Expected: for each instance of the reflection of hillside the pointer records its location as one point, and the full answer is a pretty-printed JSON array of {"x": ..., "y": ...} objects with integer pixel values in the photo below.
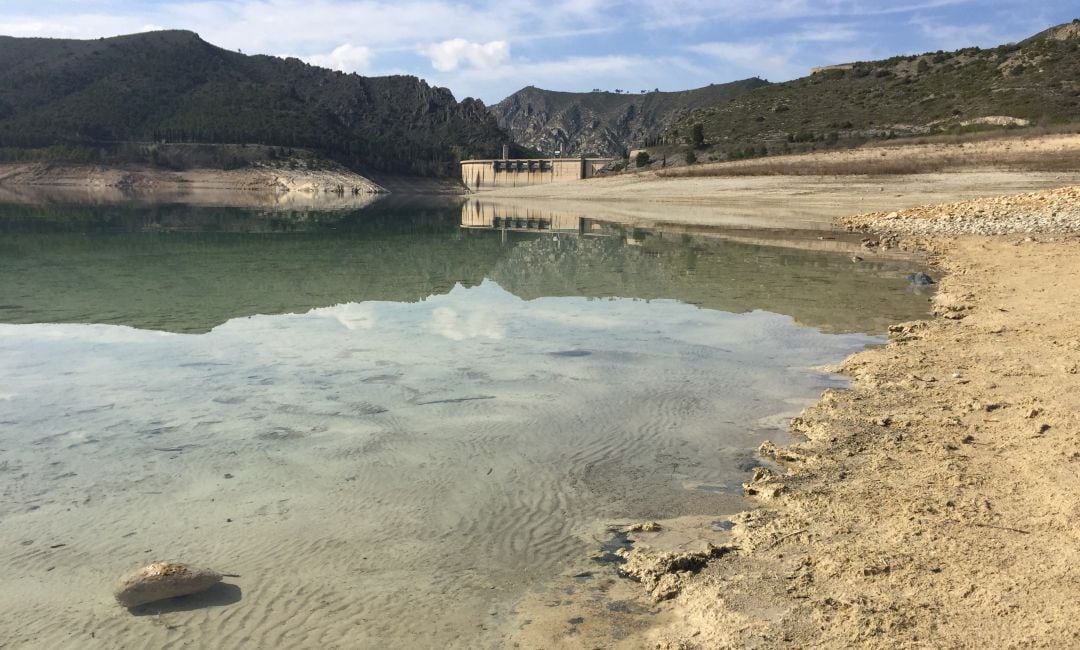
[
  {"x": 563, "y": 265},
  {"x": 119, "y": 265},
  {"x": 604, "y": 218},
  {"x": 363, "y": 213},
  {"x": 268, "y": 200},
  {"x": 161, "y": 217},
  {"x": 125, "y": 265},
  {"x": 825, "y": 291}
]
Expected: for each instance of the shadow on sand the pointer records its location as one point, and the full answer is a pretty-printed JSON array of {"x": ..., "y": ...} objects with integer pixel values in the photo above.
[{"x": 219, "y": 595}]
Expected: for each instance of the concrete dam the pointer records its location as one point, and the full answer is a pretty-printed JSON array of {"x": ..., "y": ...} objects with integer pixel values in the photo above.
[{"x": 479, "y": 175}]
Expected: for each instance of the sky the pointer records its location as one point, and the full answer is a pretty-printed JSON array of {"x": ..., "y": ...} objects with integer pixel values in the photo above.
[{"x": 491, "y": 48}]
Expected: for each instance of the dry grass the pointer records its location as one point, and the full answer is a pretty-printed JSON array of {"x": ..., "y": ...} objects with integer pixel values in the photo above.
[
  {"x": 987, "y": 135},
  {"x": 935, "y": 157}
]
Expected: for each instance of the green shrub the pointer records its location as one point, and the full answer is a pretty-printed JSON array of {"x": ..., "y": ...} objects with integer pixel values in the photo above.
[
  {"x": 697, "y": 135},
  {"x": 642, "y": 159}
]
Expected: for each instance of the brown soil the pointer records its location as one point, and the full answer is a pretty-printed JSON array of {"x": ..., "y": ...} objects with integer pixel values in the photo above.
[{"x": 934, "y": 504}]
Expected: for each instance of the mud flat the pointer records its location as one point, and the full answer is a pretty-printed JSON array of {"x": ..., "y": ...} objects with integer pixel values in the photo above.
[{"x": 934, "y": 503}]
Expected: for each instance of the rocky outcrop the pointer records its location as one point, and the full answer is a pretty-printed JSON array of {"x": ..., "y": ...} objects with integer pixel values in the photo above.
[
  {"x": 1063, "y": 32},
  {"x": 602, "y": 123}
]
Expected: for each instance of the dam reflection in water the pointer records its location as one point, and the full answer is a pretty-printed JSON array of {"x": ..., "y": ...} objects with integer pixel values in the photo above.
[
  {"x": 481, "y": 215},
  {"x": 806, "y": 274}
]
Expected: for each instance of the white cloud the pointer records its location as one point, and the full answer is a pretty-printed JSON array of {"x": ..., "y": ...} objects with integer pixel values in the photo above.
[
  {"x": 457, "y": 326},
  {"x": 751, "y": 59},
  {"x": 81, "y": 26},
  {"x": 825, "y": 33},
  {"x": 347, "y": 58},
  {"x": 626, "y": 44},
  {"x": 671, "y": 13},
  {"x": 945, "y": 36},
  {"x": 449, "y": 55},
  {"x": 352, "y": 315},
  {"x": 569, "y": 72},
  {"x": 576, "y": 73}
]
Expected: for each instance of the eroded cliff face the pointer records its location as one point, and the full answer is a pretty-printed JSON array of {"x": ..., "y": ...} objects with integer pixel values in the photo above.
[
  {"x": 602, "y": 123},
  {"x": 536, "y": 121}
]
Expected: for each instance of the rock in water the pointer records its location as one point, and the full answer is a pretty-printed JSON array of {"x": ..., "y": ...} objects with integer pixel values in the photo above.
[
  {"x": 920, "y": 279},
  {"x": 163, "y": 580}
]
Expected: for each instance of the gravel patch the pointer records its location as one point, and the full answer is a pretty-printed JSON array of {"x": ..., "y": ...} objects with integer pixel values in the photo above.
[{"x": 1044, "y": 212}]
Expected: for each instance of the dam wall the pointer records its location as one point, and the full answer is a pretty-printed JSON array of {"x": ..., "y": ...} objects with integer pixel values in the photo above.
[{"x": 479, "y": 175}]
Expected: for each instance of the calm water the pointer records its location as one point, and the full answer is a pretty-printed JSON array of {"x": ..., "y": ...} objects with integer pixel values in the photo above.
[{"x": 389, "y": 425}]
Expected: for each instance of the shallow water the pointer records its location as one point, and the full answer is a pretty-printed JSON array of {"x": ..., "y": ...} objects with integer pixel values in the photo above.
[{"x": 390, "y": 426}]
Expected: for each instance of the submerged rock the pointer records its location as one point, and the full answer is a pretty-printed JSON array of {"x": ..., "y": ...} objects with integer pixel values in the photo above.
[
  {"x": 162, "y": 580},
  {"x": 920, "y": 279}
]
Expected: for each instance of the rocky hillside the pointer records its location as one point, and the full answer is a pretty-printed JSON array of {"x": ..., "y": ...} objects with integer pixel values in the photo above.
[
  {"x": 79, "y": 96},
  {"x": 603, "y": 123},
  {"x": 1036, "y": 81}
]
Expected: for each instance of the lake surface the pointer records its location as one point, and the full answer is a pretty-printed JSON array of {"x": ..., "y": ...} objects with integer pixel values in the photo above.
[{"x": 391, "y": 423}]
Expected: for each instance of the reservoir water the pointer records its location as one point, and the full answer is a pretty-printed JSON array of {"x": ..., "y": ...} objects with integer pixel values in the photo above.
[{"x": 388, "y": 423}]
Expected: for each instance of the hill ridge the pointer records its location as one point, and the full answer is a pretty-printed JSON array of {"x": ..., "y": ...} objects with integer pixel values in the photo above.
[
  {"x": 1035, "y": 81},
  {"x": 173, "y": 85}
]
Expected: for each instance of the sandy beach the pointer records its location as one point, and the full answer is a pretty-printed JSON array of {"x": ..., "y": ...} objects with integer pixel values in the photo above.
[{"x": 933, "y": 504}]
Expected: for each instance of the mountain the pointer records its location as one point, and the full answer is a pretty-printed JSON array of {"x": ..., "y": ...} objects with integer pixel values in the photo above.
[
  {"x": 173, "y": 86},
  {"x": 1035, "y": 81},
  {"x": 603, "y": 123}
]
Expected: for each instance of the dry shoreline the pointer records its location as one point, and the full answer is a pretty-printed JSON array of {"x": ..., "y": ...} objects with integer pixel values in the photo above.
[
  {"x": 933, "y": 504},
  {"x": 789, "y": 202},
  {"x": 811, "y": 190}
]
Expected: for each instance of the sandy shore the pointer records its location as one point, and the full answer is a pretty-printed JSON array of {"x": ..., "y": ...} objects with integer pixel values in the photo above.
[
  {"x": 931, "y": 505},
  {"x": 811, "y": 202},
  {"x": 935, "y": 503}
]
